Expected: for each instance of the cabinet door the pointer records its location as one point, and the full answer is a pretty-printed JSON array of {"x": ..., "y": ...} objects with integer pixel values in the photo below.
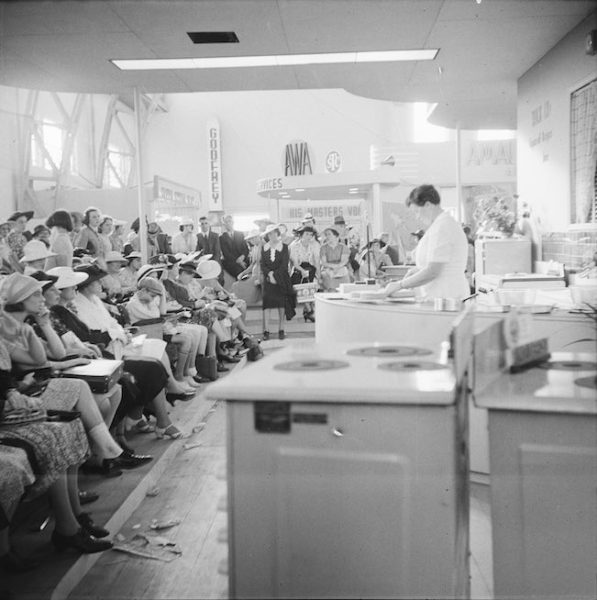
[{"x": 358, "y": 504}]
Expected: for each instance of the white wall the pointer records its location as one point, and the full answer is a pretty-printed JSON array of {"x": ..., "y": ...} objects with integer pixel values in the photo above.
[{"x": 544, "y": 143}]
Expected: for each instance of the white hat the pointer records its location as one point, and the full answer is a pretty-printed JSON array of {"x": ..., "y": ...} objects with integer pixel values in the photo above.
[
  {"x": 145, "y": 270},
  {"x": 35, "y": 250},
  {"x": 254, "y": 233},
  {"x": 67, "y": 277},
  {"x": 132, "y": 255},
  {"x": 114, "y": 256},
  {"x": 186, "y": 221},
  {"x": 269, "y": 229},
  {"x": 203, "y": 258},
  {"x": 209, "y": 269}
]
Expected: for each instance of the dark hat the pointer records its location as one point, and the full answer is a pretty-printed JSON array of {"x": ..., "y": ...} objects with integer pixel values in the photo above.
[
  {"x": 168, "y": 260},
  {"x": 80, "y": 252},
  {"x": 28, "y": 214},
  {"x": 305, "y": 229},
  {"x": 188, "y": 267},
  {"x": 333, "y": 230},
  {"x": 93, "y": 272},
  {"x": 45, "y": 279},
  {"x": 339, "y": 220}
]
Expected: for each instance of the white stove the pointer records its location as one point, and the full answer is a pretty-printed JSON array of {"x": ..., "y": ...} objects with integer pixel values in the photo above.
[{"x": 347, "y": 474}]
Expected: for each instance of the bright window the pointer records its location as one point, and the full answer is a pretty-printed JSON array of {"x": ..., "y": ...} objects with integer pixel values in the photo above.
[
  {"x": 246, "y": 222},
  {"x": 117, "y": 168},
  {"x": 51, "y": 143},
  {"x": 489, "y": 135}
]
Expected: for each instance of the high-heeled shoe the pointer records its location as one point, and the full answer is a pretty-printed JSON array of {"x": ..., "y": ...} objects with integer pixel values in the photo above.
[
  {"x": 87, "y": 524},
  {"x": 309, "y": 316},
  {"x": 81, "y": 541},
  {"x": 281, "y": 334},
  {"x": 266, "y": 335},
  {"x": 171, "y": 432}
]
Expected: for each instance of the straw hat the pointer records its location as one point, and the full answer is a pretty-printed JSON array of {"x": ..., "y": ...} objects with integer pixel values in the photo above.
[
  {"x": 209, "y": 269},
  {"x": 131, "y": 255},
  {"x": 146, "y": 270},
  {"x": 151, "y": 285},
  {"x": 269, "y": 229},
  {"x": 67, "y": 277},
  {"x": 93, "y": 272},
  {"x": 35, "y": 250},
  {"x": 16, "y": 288},
  {"x": 254, "y": 233},
  {"x": 114, "y": 256}
]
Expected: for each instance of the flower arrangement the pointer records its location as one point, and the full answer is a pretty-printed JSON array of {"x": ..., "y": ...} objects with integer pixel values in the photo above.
[{"x": 495, "y": 214}]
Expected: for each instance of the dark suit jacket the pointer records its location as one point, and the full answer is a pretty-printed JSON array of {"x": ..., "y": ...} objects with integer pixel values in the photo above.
[
  {"x": 210, "y": 244},
  {"x": 233, "y": 247}
]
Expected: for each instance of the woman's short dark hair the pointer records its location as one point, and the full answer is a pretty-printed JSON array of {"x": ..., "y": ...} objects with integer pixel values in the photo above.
[
  {"x": 60, "y": 218},
  {"x": 423, "y": 194},
  {"x": 13, "y": 308},
  {"x": 88, "y": 211},
  {"x": 266, "y": 236},
  {"x": 103, "y": 222}
]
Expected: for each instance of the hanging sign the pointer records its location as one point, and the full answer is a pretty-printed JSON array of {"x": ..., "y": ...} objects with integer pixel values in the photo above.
[
  {"x": 296, "y": 159},
  {"x": 214, "y": 184},
  {"x": 324, "y": 211},
  {"x": 169, "y": 194}
]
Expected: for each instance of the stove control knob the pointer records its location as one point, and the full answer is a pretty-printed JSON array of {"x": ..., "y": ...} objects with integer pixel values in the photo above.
[{"x": 337, "y": 432}]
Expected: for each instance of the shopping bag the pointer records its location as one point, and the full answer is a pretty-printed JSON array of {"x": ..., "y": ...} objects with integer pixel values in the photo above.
[{"x": 305, "y": 292}]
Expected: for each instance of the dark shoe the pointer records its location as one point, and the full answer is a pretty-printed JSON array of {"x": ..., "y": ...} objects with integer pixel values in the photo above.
[
  {"x": 87, "y": 524},
  {"x": 108, "y": 468},
  {"x": 309, "y": 317},
  {"x": 221, "y": 368},
  {"x": 128, "y": 460},
  {"x": 81, "y": 541},
  {"x": 12, "y": 563},
  {"x": 87, "y": 497},
  {"x": 266, "y": 335},
  {"x": 281, "y": 334},
  {"x": 201, "y": 379},
  {"x": 230, "y": 359},
  {"x": 122, "y": 442},
  {"x": 184, "y": 396}
]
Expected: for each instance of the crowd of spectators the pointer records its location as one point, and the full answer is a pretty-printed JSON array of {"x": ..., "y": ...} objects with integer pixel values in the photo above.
[{"x": 75, "y": 290}]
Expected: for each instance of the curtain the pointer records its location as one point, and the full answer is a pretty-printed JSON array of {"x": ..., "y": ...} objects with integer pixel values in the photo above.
[{"x": 583, "y": 131}]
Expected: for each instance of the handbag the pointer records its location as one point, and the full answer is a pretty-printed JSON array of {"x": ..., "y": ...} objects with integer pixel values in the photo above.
[{"x": 305, "y": 292}]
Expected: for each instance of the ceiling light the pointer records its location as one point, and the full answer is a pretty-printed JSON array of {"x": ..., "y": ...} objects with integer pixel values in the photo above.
[
  {"x": 353, "y": 189},
  {"x": 299, "y": 190},
  {"x": 230, "y": 62}
]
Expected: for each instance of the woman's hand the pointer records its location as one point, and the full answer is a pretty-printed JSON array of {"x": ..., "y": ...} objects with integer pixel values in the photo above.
[
  {"x": 42, "y": 318},
  {"x": 69, "y": 364},
  {"x": 93, "y": 349},
  {"x": 271, "y": 278}
]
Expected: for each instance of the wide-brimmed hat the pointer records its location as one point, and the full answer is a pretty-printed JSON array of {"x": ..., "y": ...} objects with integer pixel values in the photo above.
[
  {"x": 67, "y": 278},
  {"x": 188, "y": 267},
  {"x": 263, "y": 221},
  {"x": 339, "y": 220},
  {"x": 114, "y": 256},
  {"x": 269, "y": 229},
  {"x": 332, "y": 229},
  {"x": 209, "y": 269},
  {"x": 35, "y": 250},
  {"x": 254, "y": 233},
  {"x": 16, "y": 288},
  {"x": 94, "y": 273},
  {"x": 186, "y": 221},
  {"x": 44, "y": 278},
  {"x": 151, "y": 285},
  {"x": 308, "y": 217},
  {"x": 28, "y": 214},
  {"x": 146, "y": 270},
  {"x": 305, "y": 228},
  {"x": 131, "y": 255},
  {"x": 168, "y": 260}
]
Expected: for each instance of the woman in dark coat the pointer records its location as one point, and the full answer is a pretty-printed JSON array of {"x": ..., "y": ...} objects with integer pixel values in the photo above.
[{"x": 277, "y": 287}]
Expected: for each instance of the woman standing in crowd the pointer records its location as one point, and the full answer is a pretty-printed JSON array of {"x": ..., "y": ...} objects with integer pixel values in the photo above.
[
  {"x": 334, "y": 261},
  {"x": 88, "y": 237},
  {"x": 277, "y": 287},
  {"x": 104, "y": 231},
  {"x": 61, "y": 225},
  {"x": 304, "y": 254},
  {"x": 116, "y": 237},
  {"x": 186, "y": 241},
  {"x": 18, "y": 237}
]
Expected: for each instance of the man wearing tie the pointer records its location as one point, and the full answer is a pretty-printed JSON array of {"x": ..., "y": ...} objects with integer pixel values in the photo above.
[{"x": 235, "y": 251}]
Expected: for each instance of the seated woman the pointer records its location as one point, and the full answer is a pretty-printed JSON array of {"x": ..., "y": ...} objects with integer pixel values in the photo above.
[
  {"x": 59, "y": 448},
  {"x": 372, "y": 259},
  {"x": 149, "y": 376},
  {"x": 149, "y": 303},
  {"x": 334, "y": 257}
]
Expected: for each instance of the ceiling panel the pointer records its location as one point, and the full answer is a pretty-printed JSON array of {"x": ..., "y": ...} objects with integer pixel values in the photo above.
[{"x": 484, "y": 48}]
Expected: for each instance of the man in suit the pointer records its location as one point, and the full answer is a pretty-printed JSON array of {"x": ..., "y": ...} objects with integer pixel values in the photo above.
[
  {"x": 209, "y": 242},
  {"x": 235, "y": 251}
]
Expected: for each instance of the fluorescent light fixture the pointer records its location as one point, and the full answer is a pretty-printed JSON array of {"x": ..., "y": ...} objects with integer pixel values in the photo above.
[
  {"x": 299, "y": 190},
  {"x": 353, "y": 189},
  {"x": 284, "y": 60}
]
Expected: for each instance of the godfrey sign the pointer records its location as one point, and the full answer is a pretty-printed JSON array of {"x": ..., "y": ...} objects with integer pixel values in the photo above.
[{"x": 214, "y": 197}]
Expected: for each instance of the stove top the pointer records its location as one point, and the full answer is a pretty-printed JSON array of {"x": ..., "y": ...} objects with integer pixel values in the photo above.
[
  {"x": 569, "y": 365},
  {"x": 318, "y": 364},
  {"x": 407, "y": 366},
  {"x": 389, "y": 351}
]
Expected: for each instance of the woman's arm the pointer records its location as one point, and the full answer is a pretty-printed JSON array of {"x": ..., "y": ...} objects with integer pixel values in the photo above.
[{"x": 420, "y": 277}]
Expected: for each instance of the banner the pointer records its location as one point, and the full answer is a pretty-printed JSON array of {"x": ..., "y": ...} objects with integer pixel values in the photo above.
[
  {"x": 324, "y": 211},
  {"x": 214, "y": 196}
]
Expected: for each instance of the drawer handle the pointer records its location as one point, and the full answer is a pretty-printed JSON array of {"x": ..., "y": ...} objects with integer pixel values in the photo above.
[{"x": 337, "y": 432}]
